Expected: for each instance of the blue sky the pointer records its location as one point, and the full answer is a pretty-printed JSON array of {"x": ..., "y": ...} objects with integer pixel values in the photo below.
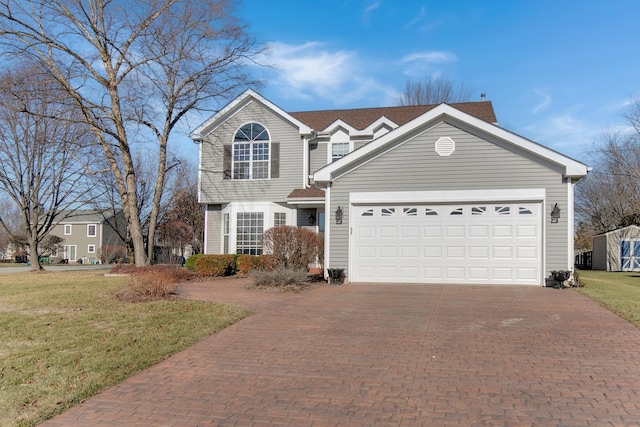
[{"x": 557, "y": 72}]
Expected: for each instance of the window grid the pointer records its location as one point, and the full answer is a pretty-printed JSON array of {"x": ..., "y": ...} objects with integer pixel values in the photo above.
[
  {"x": 339, "y": 149},
  {"x": 251, "y": 152},
  {"x": 279, "y": 219},
  {"x": 249, "y": 233},
  {"x": 67, "y": 229},
  {"x": 91, "y": 230},
  {"x": 91, "y": 249}
]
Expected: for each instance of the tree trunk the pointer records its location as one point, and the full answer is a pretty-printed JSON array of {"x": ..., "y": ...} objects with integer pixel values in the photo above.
[{"x": 34, "y": 261}]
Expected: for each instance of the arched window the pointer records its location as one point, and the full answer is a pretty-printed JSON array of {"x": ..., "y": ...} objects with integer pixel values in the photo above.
[{"x": 251, "y": 152}]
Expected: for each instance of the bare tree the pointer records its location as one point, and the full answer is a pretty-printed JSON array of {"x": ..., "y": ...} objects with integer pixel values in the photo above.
[
  {"x": 43, "y": 155},
  {"x": 135, "y": 70},
  {"x": 609, "y": 197},
  {"x": 435, "y": 90},
  {"x": 183, "y": 221}
]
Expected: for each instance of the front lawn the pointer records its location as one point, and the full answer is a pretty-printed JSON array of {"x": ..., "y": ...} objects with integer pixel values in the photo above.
[
  {"x": 63, "y": 338},
  {"x": 617, "y": 291}
]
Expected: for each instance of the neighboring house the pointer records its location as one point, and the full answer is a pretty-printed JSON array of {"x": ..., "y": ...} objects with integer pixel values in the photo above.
[
  {"x": 91, "y": 236},
  {"x": 617, "y": 250},
  {"x": 416, "y": 194}
]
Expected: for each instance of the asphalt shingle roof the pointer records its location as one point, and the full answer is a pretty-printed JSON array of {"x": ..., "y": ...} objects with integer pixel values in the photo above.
[{"x": 360, "y": 118}]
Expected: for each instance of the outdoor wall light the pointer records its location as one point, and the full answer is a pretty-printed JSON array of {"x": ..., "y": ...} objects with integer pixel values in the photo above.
[
  {"x": 312, "y": 219},
  {"x": 339, "y": 215},
  {"x": 555, "y": 214}
]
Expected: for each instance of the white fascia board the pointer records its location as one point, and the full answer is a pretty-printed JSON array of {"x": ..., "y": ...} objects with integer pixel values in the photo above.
[
  {"x": 368, "y": 131},
  {"x": 200, "y": 132},
  {"x": 573, "y": 168},
  {"x": 442, "y": 197}
]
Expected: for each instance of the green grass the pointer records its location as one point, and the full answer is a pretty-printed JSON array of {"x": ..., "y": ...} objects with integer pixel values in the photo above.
[
  {"x": 63, "y": 338},
  {"x": 617, "y": 291}
]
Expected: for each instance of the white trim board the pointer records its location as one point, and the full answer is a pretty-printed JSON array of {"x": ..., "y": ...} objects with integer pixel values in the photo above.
[{"x": 530, "y": 194}]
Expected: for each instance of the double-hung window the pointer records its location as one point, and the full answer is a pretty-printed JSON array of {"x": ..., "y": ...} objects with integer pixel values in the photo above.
[
  {"x": 251, "y": 152},
  {"x": 339, "y": 150},
  {"x": 92, "y": 230}
]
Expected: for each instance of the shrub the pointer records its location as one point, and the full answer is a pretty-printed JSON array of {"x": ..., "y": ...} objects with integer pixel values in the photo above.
[
  {"x": 245, "y": 263},
  {"x": 267, "y": 262},
  {"x": 190, "y": 263},
  {"x": 215, "y": 265},
  {"x": 151, "y": 283},
  {"x": 280, "y": 277},
  {"x": 293, "y": 247}
]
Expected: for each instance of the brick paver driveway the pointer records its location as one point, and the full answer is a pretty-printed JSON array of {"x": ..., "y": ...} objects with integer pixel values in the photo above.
[{"x": 391, "y": 355}]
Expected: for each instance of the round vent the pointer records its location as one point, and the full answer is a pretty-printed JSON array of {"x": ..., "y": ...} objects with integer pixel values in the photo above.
[{"x": 445, "y": 146}]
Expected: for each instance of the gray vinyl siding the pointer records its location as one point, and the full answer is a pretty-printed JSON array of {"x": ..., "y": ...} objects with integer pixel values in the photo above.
[
  {"x": 215, "y": 189},
  {"x": 213, "y": 232},
  {"x": 317, "y": 156},
  {"x": 476, "y": 164}
]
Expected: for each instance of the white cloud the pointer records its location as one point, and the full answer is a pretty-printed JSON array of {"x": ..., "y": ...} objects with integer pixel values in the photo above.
[
  {"x": 373, "y": 6},
  {"x": 311, "y": 71},
  {"x": 423, "y": 63},
  {"x": 419, "y": 17},
  {"x": 431, "y": 57},
  {"x": 544, "y": 104},
  {"x": 566, "y": 134}
]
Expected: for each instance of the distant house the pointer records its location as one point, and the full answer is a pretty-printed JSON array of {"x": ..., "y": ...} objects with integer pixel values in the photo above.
[
  {"x": 617, "y": 250},
  {"x": 91, "y": 236}
]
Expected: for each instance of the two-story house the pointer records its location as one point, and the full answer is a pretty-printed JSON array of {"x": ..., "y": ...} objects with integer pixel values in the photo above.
[
  {"x": 414, "y": 194},
  {"x": 91, "y": 236}
]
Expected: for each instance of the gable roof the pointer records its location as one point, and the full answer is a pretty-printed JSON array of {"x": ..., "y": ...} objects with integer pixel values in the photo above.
[
  {"x": 245, "y": 98},
  {"x": 572, "y": 168},
  {"x": 360, "y": 118},
  {"x": 619, "y": 230},
  {"x": 87, "y": 216}
]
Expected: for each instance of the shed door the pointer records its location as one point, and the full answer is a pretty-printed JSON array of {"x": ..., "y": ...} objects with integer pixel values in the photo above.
[
  {"x": 457, "y": 243},
  {"x": 630, "y": 255}
]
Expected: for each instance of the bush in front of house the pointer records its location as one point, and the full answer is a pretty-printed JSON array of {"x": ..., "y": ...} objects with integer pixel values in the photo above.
[
  {"x": 151, "y": 283},
  {"x": 267, "y": 262},
  {"x": 293, "y": 247},
  {"x": 190, "y": 263},
  {"x": 215, "y": 265},
  {"x": 280, "y": 277},
  {"x": 246, "y": 263}
]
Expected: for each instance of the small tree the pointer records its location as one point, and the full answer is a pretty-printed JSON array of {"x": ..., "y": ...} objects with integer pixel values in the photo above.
[
  {"x": 292, "y": 247},
  {"x": 435, "y": 90}
]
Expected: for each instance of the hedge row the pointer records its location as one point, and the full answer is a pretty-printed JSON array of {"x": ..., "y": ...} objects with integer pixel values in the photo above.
[{"x": 227, "y": 265}]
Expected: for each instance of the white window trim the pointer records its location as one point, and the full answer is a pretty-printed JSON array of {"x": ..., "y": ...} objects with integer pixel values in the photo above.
[
  {"x": 89, "y": 247},
  {"x": 330, "y": 149},
  {"x": 268, "y": 161},
  {"x": 70, "y": 229},
  {"x": 267, "y": 208},
  {"x": 96, "y": 230}
]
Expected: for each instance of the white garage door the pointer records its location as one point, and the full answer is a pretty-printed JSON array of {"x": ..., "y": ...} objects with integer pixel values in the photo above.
[{"x": 456, "y": 243}]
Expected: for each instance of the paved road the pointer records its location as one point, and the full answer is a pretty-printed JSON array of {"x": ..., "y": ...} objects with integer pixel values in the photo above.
[
  {"x": 18, "y": 268},
  {"x": 390, "y": 355}
]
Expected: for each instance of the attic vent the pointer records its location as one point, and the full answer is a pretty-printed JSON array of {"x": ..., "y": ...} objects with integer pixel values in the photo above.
[{"x": 445, "y": 146}]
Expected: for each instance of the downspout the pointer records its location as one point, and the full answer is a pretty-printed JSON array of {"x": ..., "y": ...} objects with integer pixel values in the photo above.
[
  {"x": 305, "y": 162},
  {"x": 570, "y": 225},
  {"x": 327, "y": 229}
]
